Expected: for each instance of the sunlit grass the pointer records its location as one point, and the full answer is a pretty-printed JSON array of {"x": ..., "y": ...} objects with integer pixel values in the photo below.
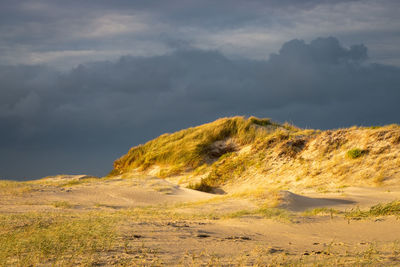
[
  {"x": 379, "y": 210},
  {"x": 83, "y": 238},
  {"x": 49, "y": 238},
  {"x": 14, "y": 188},
  {"x": 382, "y": 209},
  {"x": 63, "y": 204},
  {"x": 192, "y": 147}
]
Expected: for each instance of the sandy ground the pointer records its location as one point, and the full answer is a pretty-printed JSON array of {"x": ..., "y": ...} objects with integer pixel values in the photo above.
[
  {"x": 115, "y": 193},
  {"x": 252, "y": 240},
  {"x": 247, "y": 240}
]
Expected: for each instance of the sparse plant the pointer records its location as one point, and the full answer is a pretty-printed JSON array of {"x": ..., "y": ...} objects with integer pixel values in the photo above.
[
  {"x": 63, "y": 204},
  {"x": 355, "y": 153},
  {"x": 201, "y": 186},
  {"x": 321, "y": 211},
  {"x": 387, "y": 209}
]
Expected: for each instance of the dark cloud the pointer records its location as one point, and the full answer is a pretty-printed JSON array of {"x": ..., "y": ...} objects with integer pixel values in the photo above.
[
  {"x": 82, "y": 119},
  {"x": 66, "y": 33}
]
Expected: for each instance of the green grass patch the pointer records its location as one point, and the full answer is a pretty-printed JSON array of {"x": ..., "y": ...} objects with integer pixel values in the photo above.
[
  {"x": 392, "y": 208},
  {"x": 382, "y": 209},
  {"x": 355, "y": 153}
]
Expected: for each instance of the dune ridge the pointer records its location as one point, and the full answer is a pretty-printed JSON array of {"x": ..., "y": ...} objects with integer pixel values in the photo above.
[{"x": 234, "y": 153}]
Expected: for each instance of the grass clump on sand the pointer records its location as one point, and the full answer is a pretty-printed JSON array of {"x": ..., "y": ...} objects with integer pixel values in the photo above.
[
  {"x": 63, "y": 204},
  {"x": 392, "y": 208},
  {"x": 201, "y": 186},
  {"x": 382, "y": 209},
  {"x": 355, "y": 153},
  {"x": 388, "y": 209},
  {"x": 78, "y": 181},
  {"x": 265, "y": 212},
  {"x": 53, "y": 239}
]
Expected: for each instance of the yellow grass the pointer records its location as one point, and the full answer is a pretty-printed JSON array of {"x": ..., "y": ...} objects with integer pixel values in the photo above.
[
  {"x": 12, "y": 188},
  {"x": 226, "y": 152}
]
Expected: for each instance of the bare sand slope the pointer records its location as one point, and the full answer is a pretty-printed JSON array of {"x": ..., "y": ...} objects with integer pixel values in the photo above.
[
  {"x": 362, "y": 197},
  {"x": 297, "y": 202},
  {"x": 78, "y": 191}
]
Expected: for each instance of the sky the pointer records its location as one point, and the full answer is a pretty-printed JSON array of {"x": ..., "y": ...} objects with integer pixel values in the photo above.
[{"x": 83, "y": 81}]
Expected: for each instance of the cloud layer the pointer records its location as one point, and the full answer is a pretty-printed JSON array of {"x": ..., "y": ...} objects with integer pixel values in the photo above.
[
  {"x": 65, "y": 34},
  {"x": 82, "y": 119}
]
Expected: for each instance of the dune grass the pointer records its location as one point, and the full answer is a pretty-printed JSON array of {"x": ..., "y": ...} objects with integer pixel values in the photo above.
[
  {"x": 14, "y": 188},
  {"x": 96, "y": 239},
  {"x": 69, "y": 182},
  {"x": 382, "y": 209},
  {"x": 192, "y": 147},
  {"x": 55, "y": 239},
  {"x": 277, "y": 214},
  {"x": 230, "y": 149},
  {"x": 379, "y": 210}
]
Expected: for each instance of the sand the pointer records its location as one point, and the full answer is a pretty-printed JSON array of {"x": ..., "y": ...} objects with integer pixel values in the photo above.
[{"x": 244, "y": 240}]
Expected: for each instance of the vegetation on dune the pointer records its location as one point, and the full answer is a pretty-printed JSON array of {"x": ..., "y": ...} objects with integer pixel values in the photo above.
[
  {"x": 190, "y": 148},
  {"x": 385, "y": 209},
  {"x": 228, "y": 149},
  {"x": 379, "y": 210},
  {"x": 264, "y": 156},
  {"x": 355, "y": 153}
]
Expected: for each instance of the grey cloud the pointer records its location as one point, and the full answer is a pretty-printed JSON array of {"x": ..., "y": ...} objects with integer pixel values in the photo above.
[
  {"x": 321, "y": 51},
  {"x": 98, "y": 110},
  {"x": 61, "y": 33}
]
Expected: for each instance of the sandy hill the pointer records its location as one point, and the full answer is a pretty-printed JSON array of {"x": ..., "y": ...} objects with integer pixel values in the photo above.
[
  {"x": 294, "y": 197},
  {"x": 241, "y": 154}
]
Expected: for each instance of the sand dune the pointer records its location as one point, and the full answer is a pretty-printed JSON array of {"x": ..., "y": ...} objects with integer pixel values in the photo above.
[{"x": 296, "y": 202}]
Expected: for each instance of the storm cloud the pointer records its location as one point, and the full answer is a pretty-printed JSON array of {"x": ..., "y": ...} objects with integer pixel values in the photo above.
[
  {"x": 82, "y": 119},
  {"x": 65, "y": 34}
]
